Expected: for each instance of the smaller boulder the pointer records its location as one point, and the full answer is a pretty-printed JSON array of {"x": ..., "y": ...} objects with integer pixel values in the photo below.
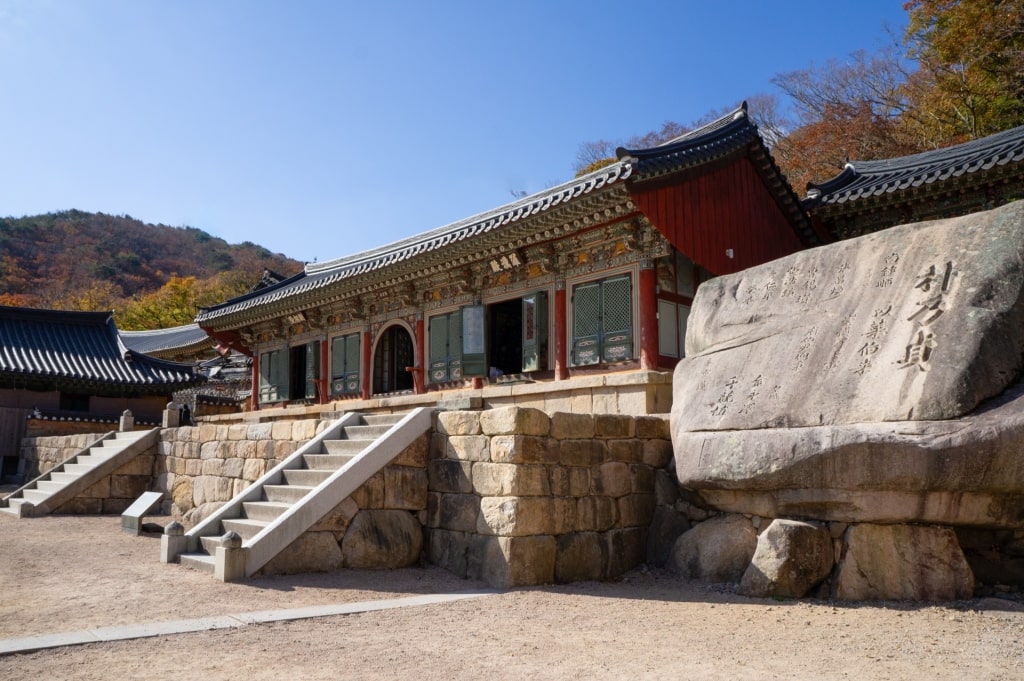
[
  {"x": 792, "y": 557},
  {"x": 717, "y": 550}
]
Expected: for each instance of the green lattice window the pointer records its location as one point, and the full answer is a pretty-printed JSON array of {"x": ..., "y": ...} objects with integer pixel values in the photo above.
[
  {"x": 603, "y": 321},
  {"x": 445, "y": 338},
  {"x": 345, "y": 364},
  {"x": 273, "y": 376}
]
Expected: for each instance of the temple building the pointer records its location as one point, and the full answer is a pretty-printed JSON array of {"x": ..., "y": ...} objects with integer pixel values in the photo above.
[{"x": 593, "y": 277}]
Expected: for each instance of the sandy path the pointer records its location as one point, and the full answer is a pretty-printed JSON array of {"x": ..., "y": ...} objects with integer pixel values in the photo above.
[{"x": 70, "y": 573}]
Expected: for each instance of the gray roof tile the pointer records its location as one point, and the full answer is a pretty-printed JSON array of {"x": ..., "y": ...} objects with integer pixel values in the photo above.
[
  {"x": 79, "y": 348},
  {"x": 864, "y": 179}
]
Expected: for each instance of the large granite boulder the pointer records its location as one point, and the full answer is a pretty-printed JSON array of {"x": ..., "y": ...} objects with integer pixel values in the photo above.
[{"x": 844, "y": 383}]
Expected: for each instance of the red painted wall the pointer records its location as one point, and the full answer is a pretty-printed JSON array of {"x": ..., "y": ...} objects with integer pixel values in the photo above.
[{"x": 725, "y": 208}]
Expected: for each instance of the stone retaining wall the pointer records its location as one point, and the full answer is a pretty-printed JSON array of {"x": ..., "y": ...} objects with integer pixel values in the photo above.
[
  {"x": 508, "y": 495},
  {"x": 518, "y": 497}
]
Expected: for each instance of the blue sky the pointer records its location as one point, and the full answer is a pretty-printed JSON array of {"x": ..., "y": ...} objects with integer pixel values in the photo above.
[{"x": 320, "y": 129}]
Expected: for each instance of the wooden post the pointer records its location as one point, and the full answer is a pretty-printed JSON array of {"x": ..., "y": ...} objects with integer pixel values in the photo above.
[
  {"x": 648, "y": 315},
  {"x": 561, "y": 333},
  {"x": 254, "y": 399},
  {"x": 366, "y": 370},
  {"x": 419, "y": 365},
  {"x": 325, "y": 374}
]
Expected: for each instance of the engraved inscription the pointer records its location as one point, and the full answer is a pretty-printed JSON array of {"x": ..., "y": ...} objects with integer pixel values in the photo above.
[{"x": 936, "y": 283}]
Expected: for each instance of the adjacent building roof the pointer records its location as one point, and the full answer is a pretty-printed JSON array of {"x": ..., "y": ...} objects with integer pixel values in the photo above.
[
  {"x": 178, "y": 341},
  {"x": 528, "y": 220},
  {"x": 51, "y": 349},
  {"x": 973, "y": 171}
]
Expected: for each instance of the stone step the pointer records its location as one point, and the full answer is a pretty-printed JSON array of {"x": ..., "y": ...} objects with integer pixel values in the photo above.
[
  {"x": 130, "y": 436},
  {"x": 94, "y": 457},
  {"x": 264, "y": 510},
  {"x": 50, "y": 486},
  {"x": 306, "y": 477},
  {"x": 12, "y": 509},
  {"x": 197, "y": 561},
  {"x": 349, "y": 447},
  {"x": 210, "y": 544},
  {"x": 286, "y": 493},
  {"x": 35, "y": 496},
  {"x": 77, "y": 468},
  {"x": 382, "y": 419},
  {"x": 365, "y": 432},
  {"x": 63, "y": 477},
  {"x": 247, "y": 528},
  {"x": 328, "y": 462}
]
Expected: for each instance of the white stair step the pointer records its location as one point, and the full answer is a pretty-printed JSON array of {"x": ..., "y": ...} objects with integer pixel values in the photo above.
[
  {"x": 197, "y": 561},
  {"x": 382, "y": 419},
  {"x": 365, "y": 432},
  {"x": 35, "y": 496},
  {"x": 286, "y": 493},
  {"x": 63, "y": 477},
  {"x": 247, "y": 528},
  {"x": 343, "y": 447},
  {"x": 77, "y": 468},
  {"x": 306, "y": 477},
  {"x": 327, "y": 462},
  {"x": 210, "y": 544},
  {"x": 264, "y": 510}
]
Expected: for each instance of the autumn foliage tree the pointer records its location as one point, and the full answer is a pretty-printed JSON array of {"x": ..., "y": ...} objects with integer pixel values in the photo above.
[
  {"x": 957, "y": 75},
  {"x": 152, "y": 275}
]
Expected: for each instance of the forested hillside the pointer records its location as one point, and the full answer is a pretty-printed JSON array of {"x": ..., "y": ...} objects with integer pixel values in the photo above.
[{"x": 153, "y": 276}]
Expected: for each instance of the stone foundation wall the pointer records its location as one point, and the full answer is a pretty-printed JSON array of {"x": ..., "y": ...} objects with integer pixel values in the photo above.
[
  {"x": 508, "y": 495},
  {"x": 518, "y": 497}
]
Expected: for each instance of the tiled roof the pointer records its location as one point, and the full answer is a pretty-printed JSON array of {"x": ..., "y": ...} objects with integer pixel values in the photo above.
[
  {"x": 733, "y": 133},
  {"x": 321, "y": 275},
  {"x": 864, "y": 179},
  {"x": 184, "y": 339},
  {"x": 719, "y": 138},
  {"x": 79, "y": 348}
]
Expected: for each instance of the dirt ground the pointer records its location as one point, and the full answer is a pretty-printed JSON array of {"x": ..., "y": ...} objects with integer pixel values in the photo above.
[{"x": 62, "y": 574}]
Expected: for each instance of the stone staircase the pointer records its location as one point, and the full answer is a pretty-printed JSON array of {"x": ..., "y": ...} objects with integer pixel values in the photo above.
[
  {"x": 74, "y": 475},
  {"x": 293, "y": 496}
]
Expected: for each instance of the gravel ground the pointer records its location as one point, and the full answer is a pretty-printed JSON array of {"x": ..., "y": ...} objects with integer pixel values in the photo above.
[{"x": 66, "y": 573}]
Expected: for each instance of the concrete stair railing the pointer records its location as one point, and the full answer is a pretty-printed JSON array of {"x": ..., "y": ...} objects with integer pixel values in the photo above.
[
  {"x": 74, "y": 475},
  {"x": 266, "y": 517}
]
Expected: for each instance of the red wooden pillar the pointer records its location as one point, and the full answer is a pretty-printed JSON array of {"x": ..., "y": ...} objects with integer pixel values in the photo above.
[
  {"x": 418, "y": 385},
  {"x": 648, "y": 313},
  {"x": 561, "y": 333},
  {"x": 366, "y": 369},
  {"x": 325, "y": 374},
  {"x": 254, "y": 399}
]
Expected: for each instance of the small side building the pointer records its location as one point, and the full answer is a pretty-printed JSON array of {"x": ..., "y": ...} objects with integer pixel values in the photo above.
[{"x": 67, "y": 372}]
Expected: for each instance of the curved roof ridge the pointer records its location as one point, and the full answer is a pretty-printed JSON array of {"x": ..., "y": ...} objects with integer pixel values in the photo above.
[{"x": 738, "y": 117}]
